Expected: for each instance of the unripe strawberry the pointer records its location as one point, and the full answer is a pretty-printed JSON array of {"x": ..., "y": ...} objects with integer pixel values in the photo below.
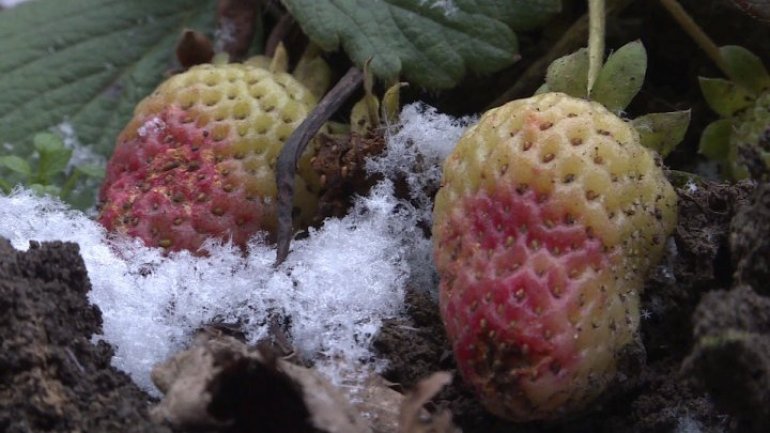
[
  {"x": 549, "y": 217},
  {"x": 197, "y": 160}
]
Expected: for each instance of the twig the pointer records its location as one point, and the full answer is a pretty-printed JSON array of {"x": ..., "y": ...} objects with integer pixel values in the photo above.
[
  {"x": 296, "y": 144},
  {"x": 596, "y": 31},
  {"x": 697, "y": 34}
]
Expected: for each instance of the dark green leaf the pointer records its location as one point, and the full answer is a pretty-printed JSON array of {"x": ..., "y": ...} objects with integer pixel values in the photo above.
[
  {"x": 16, "y": 164},
  {"x": 746, "y": 68},
  {"x": 621, "y": 78},
  {"x": 715, "y": 140},
  {"x": 52, "y": 162},
  {"x": 518, "y": 14},
  {"x": 725, "y": 97},
  {"x": 662, "y": 131},
  {"x": 431, "y": 43},
  {"x": 87, "y": 62},
  {"x": 569, "y": 74},
  {"x": 45, "y": 142}
]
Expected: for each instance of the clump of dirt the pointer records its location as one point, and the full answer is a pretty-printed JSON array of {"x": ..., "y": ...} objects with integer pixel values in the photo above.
[
  {"x": 750, "y": 243},
  {"x": 655, "y": 395},
  {"x": 52, "y": 377},
  {"x": 732, "y": 354}
]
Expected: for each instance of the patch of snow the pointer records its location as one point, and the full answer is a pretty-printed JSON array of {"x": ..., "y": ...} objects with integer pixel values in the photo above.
[
  {"x": 688, "y": 424},
  {"x": 6, "y": 4},
  {"x": 448, "y": 6},
  {"x": 416, "y": 149},
  {"x": 333, "y": 292},
  {"x": 151, "y": 127},
  {"x": 81, "y": 155},
  {"x": 225, "y": 34}
]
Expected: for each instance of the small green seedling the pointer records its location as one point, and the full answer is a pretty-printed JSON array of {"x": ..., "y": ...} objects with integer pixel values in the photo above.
[{"x": 48, "y": 171}]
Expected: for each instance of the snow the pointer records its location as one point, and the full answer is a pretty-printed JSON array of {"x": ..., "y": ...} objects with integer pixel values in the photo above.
[
  {"x": 447, "y": 6},
  {"x": 333, "y": 292},
  {"x": 10, "y": 3},
  {"x": 152, "y": 126},
  {"x": 81, "y": 155}
]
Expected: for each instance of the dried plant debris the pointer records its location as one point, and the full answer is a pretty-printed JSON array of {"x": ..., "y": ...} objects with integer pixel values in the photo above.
[
  {"x": 194, "y": 48},
  {"x": 341, "y": 165},
  {"x": 731, "y": 357},
  {"x": 221, "y": 383},
  {"x": 749, "y": 241},
  {"x": 413, "y": 419}
]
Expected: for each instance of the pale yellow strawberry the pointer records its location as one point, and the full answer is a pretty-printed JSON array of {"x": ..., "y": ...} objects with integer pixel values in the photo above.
[{"x": 549, "y": 218}]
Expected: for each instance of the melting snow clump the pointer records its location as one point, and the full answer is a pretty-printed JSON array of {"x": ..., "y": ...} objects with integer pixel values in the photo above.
[
  {"x": 330, "y": 296},
  {"x": 81, "y": 155}
]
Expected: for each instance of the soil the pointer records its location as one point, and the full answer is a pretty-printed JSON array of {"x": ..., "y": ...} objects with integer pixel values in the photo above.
[{"x": 53, "y": 378}]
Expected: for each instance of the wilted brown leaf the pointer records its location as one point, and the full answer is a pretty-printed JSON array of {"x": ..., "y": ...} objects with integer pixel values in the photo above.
[
  {"x": 222, "y": 384},
  {"x": 411, "y": 419}
]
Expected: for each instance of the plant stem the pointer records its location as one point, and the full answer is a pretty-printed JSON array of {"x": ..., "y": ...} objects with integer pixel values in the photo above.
[
  {"x": 697, "y": 34},
  {"x": 286, "y": 166},
  {"x": 596, "y": 31}
]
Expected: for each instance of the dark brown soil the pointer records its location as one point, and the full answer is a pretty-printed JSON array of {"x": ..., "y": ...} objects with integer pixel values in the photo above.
[{"x": 52, "y": 377}]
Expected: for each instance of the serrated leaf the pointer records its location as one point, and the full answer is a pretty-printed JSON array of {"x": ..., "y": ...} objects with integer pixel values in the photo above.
[
  {"x": 746, "y": 68},
  {"x": 662, "y": 132},
  {"x": 431, "y": 46},
  {"x": 518, "y": 15},
  {"x": 569, "y": 74},
  {"x": 95, "y": 60},
  {"x": 16, "y": 165},
  {"x": 725, "y": 97},
  {"x": 621, "y": 78},
  {"x": 715, "y": 140}
]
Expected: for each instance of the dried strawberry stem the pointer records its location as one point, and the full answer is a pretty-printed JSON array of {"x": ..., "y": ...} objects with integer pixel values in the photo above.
[
  {"x": 296, "y": 144},
  {"x": 596, "y": 31},
  {"x": 700, "y": 37}
]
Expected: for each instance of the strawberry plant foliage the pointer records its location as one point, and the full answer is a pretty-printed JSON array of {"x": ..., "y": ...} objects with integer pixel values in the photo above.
[
  {"x": 430, "y": 43},
  {"x": 95, "y": 60}
]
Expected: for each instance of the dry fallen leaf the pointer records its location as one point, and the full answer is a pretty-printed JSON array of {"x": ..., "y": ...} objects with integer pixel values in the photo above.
[
  {"x": 223, "y": 384},
  {"x": 412, "y": 419}
]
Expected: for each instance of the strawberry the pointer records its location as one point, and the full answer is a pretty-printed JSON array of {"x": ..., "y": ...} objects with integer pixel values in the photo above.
[
  {"x": 549, "y": 216},
  {"x": 197, "y": 160}
]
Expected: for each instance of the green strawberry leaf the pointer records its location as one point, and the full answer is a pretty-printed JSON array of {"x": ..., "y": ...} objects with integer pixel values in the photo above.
[
  {"x": 569, "y": 74},
  {"x": 95, "y": 60},
  {"x": 621, "y": 78},
  {"x": 662, "y": 131},
  {"x": 431, "y": 43},
  {"x": 16, "y": 165},
  {"x": 725, "y": 97},
  {"x": 519, "y": 14},
  {"x": 45, "y": 142},
  {"x": 746, "y": 68},
  {"x": 715, "y": 140}
]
